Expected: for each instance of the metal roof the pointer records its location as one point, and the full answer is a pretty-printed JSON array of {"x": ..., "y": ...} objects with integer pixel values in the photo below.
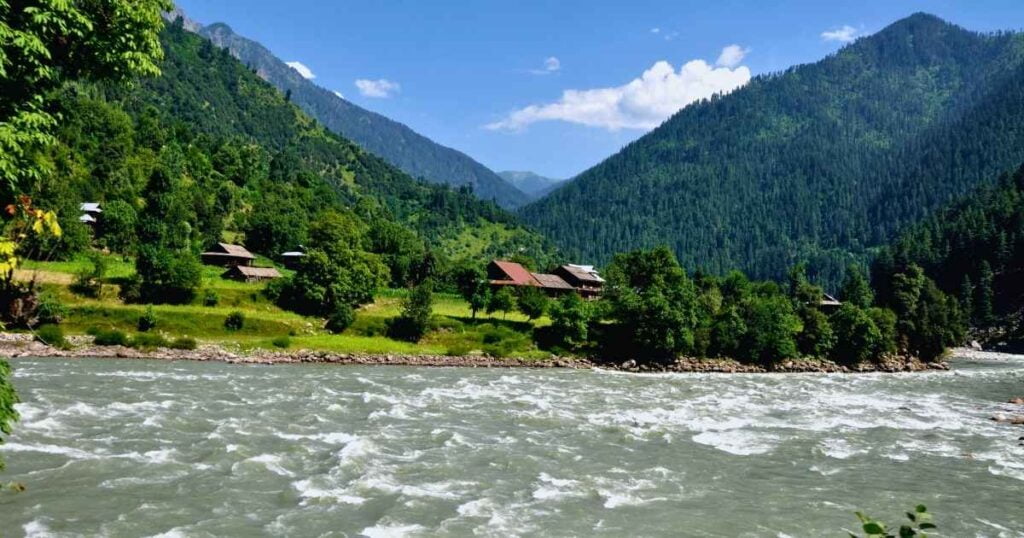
[
  {"x": 583, "y": 273},
  {"x": 256, "y": 272},
  {"x": 552, "y": 281},
  {"x": 227, "y": 249},
  {"x": 517, "y": 274},
  {"x": 90, "y": 207}
]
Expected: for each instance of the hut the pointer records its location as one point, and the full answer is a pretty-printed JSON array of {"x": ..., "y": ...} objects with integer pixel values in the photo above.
[
  {"x": 502, "y": 273},
  {"x": 228, "y": 255},
  {"x": 829, "y": 304},
  {"x": 583, "y": 278},
  {"x": 90, "y": 213},
  {"x": 245, "y": 273},
  {"x": 552, "y": 285},
  {"x": 292, "y": 258}
]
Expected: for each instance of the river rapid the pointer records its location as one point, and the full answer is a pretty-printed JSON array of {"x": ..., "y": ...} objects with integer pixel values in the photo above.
[{"x": 152, "y": 448}]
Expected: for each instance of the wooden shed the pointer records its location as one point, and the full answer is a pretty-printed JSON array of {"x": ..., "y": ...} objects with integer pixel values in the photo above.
[
  {"x": 228, "y": 255},
  {"x": 246, "y": 273}
]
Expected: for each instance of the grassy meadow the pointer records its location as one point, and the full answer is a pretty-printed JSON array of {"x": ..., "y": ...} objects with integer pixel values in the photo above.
[{"x": 453, "y": 331}]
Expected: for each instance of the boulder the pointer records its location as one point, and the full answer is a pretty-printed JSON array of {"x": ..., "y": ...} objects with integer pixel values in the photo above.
[{"x": 1016, "y": 401}]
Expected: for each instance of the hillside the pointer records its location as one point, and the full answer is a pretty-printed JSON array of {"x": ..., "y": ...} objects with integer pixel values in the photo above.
[
  {"x": 534, "y": 185},
  {"x": 396, "y": 143},
  {"x": 253, "y": 166},
  {"x": 819, "y": 163}
]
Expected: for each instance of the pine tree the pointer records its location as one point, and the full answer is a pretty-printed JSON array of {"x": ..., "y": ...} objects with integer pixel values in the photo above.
[{"x": 984, "y": 311}]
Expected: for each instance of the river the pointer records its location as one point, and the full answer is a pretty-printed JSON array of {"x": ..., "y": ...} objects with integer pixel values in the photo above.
[{"x": 150, "y": 448}]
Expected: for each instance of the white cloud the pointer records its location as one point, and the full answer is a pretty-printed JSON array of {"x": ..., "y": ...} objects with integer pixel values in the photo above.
[
  {"x": 731, "y": 56},
  {"x": 655, "y": 30},
  {"x": 340, "y": 96},
  {"x": 844, "y": 34},
  {"x": 551, "y": 65},
  {"x": 306, "y": 72},
  {"x": 642, "y": 103},
  {"x": 381, "y": 88}
]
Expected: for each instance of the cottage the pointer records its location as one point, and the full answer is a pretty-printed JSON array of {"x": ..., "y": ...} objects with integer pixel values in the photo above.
[
  {"x": 504, "y": 273},
  {"x": 90, "y": 212},
  {"x": 227, "y": 255},
  {"x": 292, "y": 258},
  {"x": 829, "y": 304},
  {"x": 246, "y": 273},
  {"x": 583, "y": 278}
]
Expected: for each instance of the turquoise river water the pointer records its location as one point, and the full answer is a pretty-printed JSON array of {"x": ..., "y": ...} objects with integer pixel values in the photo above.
[{"x": 149, "y": 448}]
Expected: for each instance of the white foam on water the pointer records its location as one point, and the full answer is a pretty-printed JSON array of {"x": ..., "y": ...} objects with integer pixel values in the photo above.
[
  {"x": 272, "y": 463},
  {"x": 73, "y": 453},
  {"x": 737, "y": 442},
  {"x": 332, "y": 438},
  {"x": 308, "y": 490},
  {"x": 392, "y": 530},
  {"x": 555, "y": 488},
  {"x": 36, "y": 529},
  {"x": 840, "y": 449}
]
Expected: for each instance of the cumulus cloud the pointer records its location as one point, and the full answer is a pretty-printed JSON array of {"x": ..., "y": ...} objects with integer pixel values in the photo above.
[
  {"x": 731, "y": 56},
  {"x": 843, "y": 34},
  {"x": 655, "y": 30},
  {"x": 381, "y": 88},
  {"x": 643, "y": 103},
  {"x": 306, "y": 72},
  {"x": 551, "y": 65}
]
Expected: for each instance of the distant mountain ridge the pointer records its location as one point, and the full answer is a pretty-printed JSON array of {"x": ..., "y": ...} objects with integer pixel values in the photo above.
[
  {"x": 396, "y": 143},
  {"x": 535, "y": 185},
  {"x": 820, "y": 163}
]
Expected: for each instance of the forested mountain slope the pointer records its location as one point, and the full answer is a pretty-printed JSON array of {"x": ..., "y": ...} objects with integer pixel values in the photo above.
[
  {"x": 534, "y": 185},
  {"x": 974, "y": 250},
  {"x": 817, "y": 163},
  {"x": 396, "y": 143},
  {"x": 247, "y": 163}
]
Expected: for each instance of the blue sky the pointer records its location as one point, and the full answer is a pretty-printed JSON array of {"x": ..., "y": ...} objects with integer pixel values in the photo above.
[{"x": 489, "y": 77}]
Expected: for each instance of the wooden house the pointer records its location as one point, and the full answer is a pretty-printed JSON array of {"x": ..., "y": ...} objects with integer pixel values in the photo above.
[
  {"x": 583, "y": 278},
  {"x": 228, "y": 255},
  {"x": 292, "y": 258},
  {"x": 245, "y": 273},
  {"x": 829, "y": 304},
  {"x": 504, "y": 273}
]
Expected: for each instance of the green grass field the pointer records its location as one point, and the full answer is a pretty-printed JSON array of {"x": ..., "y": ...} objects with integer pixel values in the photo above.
[{"x": 453, "y": 329}]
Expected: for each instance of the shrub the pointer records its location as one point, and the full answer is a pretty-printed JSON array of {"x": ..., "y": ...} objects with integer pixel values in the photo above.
[
  {"x": 51, "y": 310},
  {"x": 147, "y": 321},
  {"x": 147, "y": 341},
  {"x": 112, "y": 337},
  {"x": 533, "y": 303},
  {"x": 341, "y": 319},
  {"x": 459, "y": 350},
  {"x": 167, "y": 276},
  {"x": 184, "y": 343},
  {"x": 414, "y": 321},
  {"x": 570, "y": 320},
  {"x": 282, "y": 342},
  {"x": 89, "y": 281},
  {"x": 211, "y": 298},
  {"x": 52, "y": 335},
  {"x": 235, "y": 321}
]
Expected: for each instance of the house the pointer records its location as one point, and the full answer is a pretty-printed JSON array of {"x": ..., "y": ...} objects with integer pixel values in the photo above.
[
  {"x": 227, "y": 255},
  {"x": 292, "y": 258},
  {"x": 583, "y": 278},
  {"x": 504, "y": 273},
  {"x": 829, "y": 304},
  {"x": 90, "y": 212},
  {"x": 246, "y": 273}
]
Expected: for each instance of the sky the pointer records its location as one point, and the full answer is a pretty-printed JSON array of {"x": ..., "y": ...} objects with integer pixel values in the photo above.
[{"x": 555, "y": 87}]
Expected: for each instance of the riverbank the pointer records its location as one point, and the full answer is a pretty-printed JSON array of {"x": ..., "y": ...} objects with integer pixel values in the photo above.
[{"x": 21, "y": 345}]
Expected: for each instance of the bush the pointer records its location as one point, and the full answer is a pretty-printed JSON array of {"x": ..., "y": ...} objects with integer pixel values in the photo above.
[
  {"x": 184, "y": 343},
  {"x": 414, "y": 321},
  {"x": 51, "y": 310},
  {"x": 211, "y": 298},
  {"x": 282, "y": 342},
  {"x": 167, "y": 275},
  {"x": 147, "y": 321},
  {"x": 147, "y": 341},
  {"x": 89, "y": 282},
  {"x": 112, "y": 337},
  {"x": 235, "y": 321},
  {"x": 52, "y": 335},
  {"x": 459, "y": 350},
  {"x": 341, "y": 319}
]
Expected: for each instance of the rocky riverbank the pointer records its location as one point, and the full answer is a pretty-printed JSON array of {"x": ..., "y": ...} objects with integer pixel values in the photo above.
[{"x": 21, "y": 345}]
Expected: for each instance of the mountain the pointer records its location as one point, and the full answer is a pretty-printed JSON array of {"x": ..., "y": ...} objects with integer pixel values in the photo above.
[
  {"x": 396, "y": 143},
  {"x": 535, "y": 185},
  {"x": 252, "y": 166},
  {"x": 819, "y": 163}
]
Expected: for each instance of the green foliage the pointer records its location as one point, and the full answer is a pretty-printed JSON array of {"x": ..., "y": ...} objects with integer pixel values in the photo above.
[
  {"x": 117, "y": 227},
  {"x": 147, "y": 321},
  {"x": 8, "y": 397},
  {"x": 817, "y": 337},
  {"x": 414, "y": 320},
  {"x": 919, "y": 521},
  {"x": 817, "y": 163},
  {"x": 856, "y": 289},
  {"x": 111, "y": 337},
  {"x": 43, "y": 44},
  {"x": 183, "y": 343},
  {"x": 51, "y": 310},
  {"x": 858, "y": 338},
  {"x": 211, "y": 298},
  {"x": 53, "y": 336},
  {"x": 772, "y": 327},
  {"x": 653, "y": 303},
  {"x": 503, "y": 300},
  {"x": 570, "y": 321},
  {"x": 148, "y": 341},
  {"x": 472, "y": 284},
  {"x": 282, "y": 342},
  {"x": 532, "y": 302},
  {"x": 235, "y": 321},
  {"x": 341, "y": 319},
  {"x": 89, "y": 281}
]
